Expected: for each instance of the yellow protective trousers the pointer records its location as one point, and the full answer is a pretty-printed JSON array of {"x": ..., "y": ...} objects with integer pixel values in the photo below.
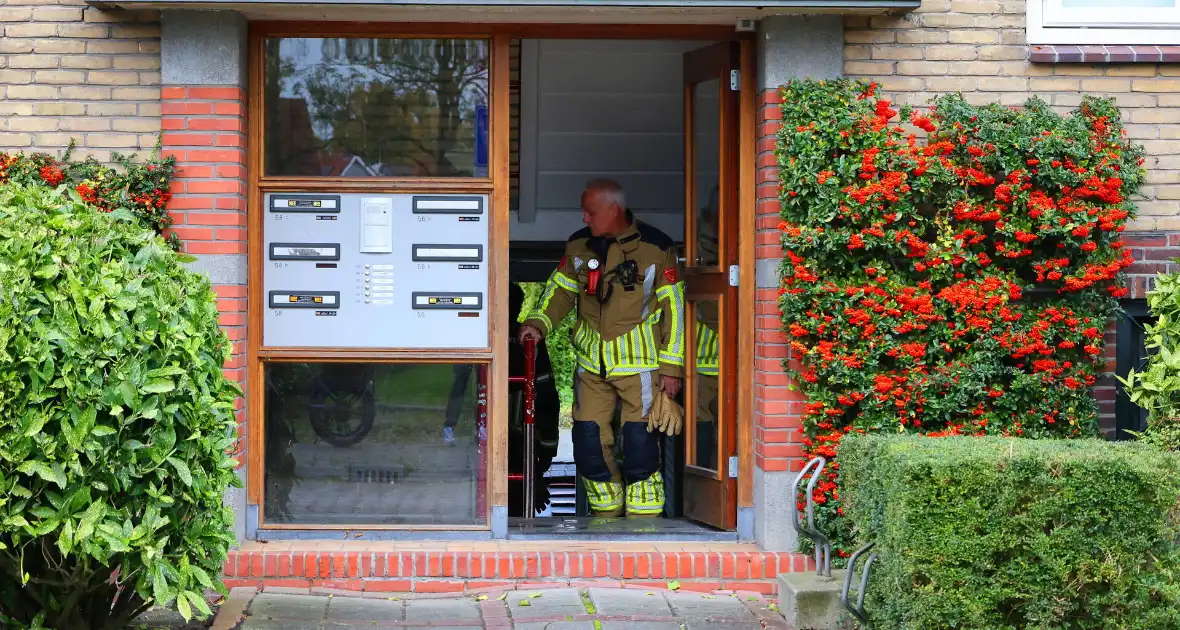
[{"x": 636, "y": 485}]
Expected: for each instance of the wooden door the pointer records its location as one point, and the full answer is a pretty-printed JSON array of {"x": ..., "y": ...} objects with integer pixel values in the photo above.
[{"x": 711, "y": 89}]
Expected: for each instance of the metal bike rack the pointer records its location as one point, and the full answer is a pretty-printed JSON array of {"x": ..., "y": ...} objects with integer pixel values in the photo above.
[
  {"x": 529, "y": 380},
  {"x": 823, "y": 548},
  {"x": 858, "y": 610}
]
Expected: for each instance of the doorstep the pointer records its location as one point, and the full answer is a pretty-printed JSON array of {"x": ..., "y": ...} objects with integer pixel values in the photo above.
[{"x": 468, "y": 567}]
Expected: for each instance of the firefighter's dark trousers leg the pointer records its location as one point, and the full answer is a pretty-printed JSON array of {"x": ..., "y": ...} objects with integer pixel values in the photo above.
[{"x": 637, "y": 485}]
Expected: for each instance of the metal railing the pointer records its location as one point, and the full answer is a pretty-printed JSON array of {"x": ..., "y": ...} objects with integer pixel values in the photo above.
[
  {"x": 858, "y": 610},
  {"x": 823, "y": 547},
  {"x": 529, "y": 380}
]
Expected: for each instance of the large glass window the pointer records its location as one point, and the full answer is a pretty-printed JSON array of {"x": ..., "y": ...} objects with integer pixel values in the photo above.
[
  {"x": 373, "y": 444},
  {"x": 354, "y": 107},
  {"x": 1110, "y": 22}
]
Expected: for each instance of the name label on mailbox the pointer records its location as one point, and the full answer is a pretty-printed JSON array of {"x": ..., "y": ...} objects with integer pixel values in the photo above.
[
  {"x": 461, "y": 301},
  {"x": 448, "y": 253},
  {"x": 305, "y": 251},
  {"x": 305, "y": 299},
  {"x": 319, "y": 204}
]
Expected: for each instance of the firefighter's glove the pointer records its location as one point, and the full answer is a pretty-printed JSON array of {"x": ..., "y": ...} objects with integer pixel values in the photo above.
[{"x": 666, "y": 416}]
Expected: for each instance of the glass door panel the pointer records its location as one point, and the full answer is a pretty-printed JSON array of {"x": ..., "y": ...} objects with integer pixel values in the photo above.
[{"x": 710, "y": 106}]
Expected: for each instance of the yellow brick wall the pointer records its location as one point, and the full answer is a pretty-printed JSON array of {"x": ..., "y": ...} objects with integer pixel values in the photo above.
[
  {"x": 72, "y": 71},
  {"x": 978, "y": 47}
]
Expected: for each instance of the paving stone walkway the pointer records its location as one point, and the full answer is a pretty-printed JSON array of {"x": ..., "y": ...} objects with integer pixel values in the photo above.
[{"x": 542, "y": 609}]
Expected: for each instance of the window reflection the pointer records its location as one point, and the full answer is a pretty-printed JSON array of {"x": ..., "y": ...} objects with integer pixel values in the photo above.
[
  {"x": 708, "y": 399},
  {"x": 368, "y": 444},
  {"x": 706, "y": 125},
  {"x": 345, "y": 107}
]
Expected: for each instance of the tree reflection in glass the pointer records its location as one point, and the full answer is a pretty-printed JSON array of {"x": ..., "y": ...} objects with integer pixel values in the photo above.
[{"x": 361, "y": 107}]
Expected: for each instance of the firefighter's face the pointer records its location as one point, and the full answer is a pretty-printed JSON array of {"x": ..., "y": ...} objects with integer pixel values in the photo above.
[{"x": 599, "y": 212}]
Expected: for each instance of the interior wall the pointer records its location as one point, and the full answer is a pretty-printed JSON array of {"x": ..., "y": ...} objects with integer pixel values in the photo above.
[{"x": 599, "y": 108}]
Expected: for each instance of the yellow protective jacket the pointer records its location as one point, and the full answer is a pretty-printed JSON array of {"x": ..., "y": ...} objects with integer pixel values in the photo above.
[{"x": 640, "y": 325}]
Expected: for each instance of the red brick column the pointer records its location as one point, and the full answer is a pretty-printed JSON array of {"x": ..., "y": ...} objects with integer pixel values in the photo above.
[
  {"x": 778, "y": 410},
  {"x": 1154, "y": 253},
  {"x": 204, "y": 127}
]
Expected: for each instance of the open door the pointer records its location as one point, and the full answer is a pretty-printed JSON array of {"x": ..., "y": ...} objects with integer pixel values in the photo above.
[{"x": 710, "y": 213}]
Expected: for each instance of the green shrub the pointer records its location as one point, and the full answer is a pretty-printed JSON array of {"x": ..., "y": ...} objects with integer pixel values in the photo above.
[
  {"x": 952, "y": 284},
  {"x": 1157, "y": 387},
  {"x": 560, "y": 345},
  {"x": 1006, "y": 533},
  {"x": 115, "y": 418}
]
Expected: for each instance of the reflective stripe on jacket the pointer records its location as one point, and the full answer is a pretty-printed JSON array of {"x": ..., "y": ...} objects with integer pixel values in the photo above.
[{"x": 640, "y": 327}]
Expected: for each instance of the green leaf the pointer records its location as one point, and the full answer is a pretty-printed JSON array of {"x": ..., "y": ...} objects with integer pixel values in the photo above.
[
  {"x": 171, "y": 370},
  {"x": 128, "y": 394},
  {"x": 200, "y": 575},
  {"x": 673, "y": 585},
  {"x": 36, "y": 423},
  {"x": 181, "y": 470},
  {"x": 199, "y": 602},
  {"x": 47, "y": 271},
  {"x": 91, "y": 516},
  {"x": 158, "y": 386},
  {"x": 65, "y": 541},
  {"x": 183, "y": 608},
  {"x": 160, "y": 591},
  {"x": 53, "y": 474}
]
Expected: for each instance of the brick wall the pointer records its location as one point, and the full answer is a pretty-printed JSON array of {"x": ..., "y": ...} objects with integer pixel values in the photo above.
[
  {"x": 204, "y": 127},
  {"x": 778, "y": 413},
  {"x": 72, "y": 71},
  {"x": 978, "y": 47},
  {"x": 477, "y": 567}
]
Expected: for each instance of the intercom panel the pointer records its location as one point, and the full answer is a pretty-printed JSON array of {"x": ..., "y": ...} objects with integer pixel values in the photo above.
[{"x": 356, "y": 270}]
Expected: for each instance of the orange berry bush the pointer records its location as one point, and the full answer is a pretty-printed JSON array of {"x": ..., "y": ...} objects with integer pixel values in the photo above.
[
  {"x": 140, "y": 187},
  {"x": 953, "y": 284}
]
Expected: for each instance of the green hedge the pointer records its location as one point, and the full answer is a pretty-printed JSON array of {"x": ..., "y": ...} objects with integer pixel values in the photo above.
[{"x": 1006, "y": 533}]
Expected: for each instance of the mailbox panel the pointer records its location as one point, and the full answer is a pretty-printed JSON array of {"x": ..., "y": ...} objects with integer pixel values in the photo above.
[{"x": 377, "y": 271}]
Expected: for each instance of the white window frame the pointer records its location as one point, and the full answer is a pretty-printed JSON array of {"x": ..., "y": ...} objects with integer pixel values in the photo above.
[{"x": 1050, "y": 23}]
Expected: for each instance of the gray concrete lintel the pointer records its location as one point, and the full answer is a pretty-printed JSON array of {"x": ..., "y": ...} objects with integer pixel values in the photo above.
[
  {"x": 203, "y": 47},
  {"x": 221, "y": 268},
  {"x": 250, "y": 522},
  {"x": 799, "y": 46},
  {"x": 766, "y": 273},
  {"x": 745, "y": 524},
  {"x": 772, "y": 525},
  {"x": 235, "y": 499},
  {"x": 499, "y": 522}
]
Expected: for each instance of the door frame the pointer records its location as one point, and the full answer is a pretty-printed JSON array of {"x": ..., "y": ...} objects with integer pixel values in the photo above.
[{"x": 496, "y": 185}]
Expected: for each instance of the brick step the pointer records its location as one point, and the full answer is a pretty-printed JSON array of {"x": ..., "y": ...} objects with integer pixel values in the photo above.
[{"x": 474, "y": 567}]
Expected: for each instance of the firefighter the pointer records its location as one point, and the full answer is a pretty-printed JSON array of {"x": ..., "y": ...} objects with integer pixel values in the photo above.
[
  {"x": 547, "y": 411},
  {"x": 622, "y": 276}
]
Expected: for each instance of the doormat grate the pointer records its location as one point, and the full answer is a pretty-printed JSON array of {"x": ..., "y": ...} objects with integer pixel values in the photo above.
[{"x": 376, "y": 474}]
